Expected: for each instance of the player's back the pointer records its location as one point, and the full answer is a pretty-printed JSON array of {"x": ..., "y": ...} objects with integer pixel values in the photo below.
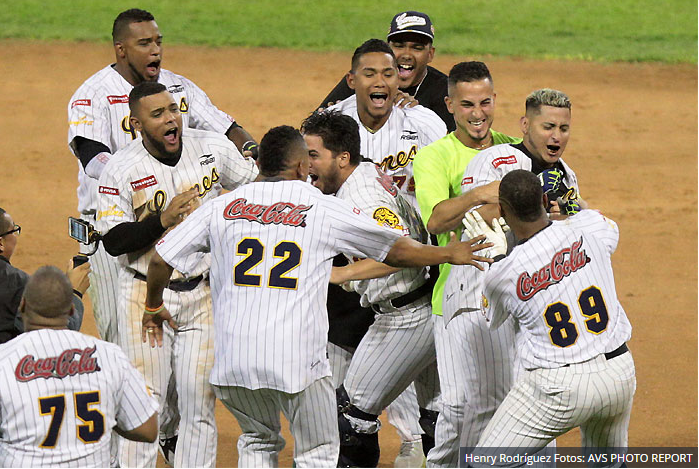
[
  {"x": 59, "y": 393},
  {"x": 272, "y": 245},
  {"x": 559, "y": 284}
]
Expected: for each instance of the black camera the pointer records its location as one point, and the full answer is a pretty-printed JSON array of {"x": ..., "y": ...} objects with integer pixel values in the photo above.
[{"x": 82, "y": 231}]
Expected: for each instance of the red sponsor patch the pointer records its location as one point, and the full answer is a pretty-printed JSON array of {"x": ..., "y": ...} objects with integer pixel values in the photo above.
[
  {"x": 69, "y": 362},
  {"x": 468, "y": 180},
  {"x": 118, "y": 99},
  {"x": 81, "y": 102},
  {"x": 143, "y": 183},
  {"x": 109, "y": 190},
  {"x": 512, "y": 159}
]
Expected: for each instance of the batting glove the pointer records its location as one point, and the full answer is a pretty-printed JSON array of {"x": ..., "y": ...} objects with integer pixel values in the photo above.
[
  {"x": 474, "y": 226},
  {"x": 568, "y": 206},
  {"x": 550, "y": 180}
]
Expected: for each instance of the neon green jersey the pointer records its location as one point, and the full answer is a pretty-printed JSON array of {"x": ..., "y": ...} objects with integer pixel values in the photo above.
[{"x": 438, "y": 169}]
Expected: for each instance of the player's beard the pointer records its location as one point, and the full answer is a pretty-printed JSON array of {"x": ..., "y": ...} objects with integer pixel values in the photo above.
[{"x": 159, "y": 147}]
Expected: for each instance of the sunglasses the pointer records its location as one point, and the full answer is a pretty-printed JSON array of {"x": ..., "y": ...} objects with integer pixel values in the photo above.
[{"x": 15, "y": 229}]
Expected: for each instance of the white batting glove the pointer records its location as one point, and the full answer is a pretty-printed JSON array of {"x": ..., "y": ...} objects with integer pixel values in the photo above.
[{"x": 474, "y": 225}]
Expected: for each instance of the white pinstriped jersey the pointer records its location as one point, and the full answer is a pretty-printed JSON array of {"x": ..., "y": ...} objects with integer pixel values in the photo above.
[
  {"x": 394, "y": 145},
  {"x": 99, "y": 111},
  {"x": 271, "y": 246},
  {"x": 373, "y": 192},
  {"x": 559, "y": 285},
  {"x": 135, "y": 185},
  {"x": 462, "y": 291},
  {"x": 61, "y": 393}
]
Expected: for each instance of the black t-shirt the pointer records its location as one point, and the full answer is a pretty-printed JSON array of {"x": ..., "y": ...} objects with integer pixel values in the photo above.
[{"x": 430, "y": 93}]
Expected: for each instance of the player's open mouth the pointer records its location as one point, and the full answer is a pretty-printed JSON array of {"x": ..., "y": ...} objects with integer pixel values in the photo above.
[
  {"x": 379, "y": 98},
  {"x": 405, "y": 70},
  {"x": 153, "y": 68},
  {"x": 479, "y": 123},
  {"x": 171, "y": 136},
  {"x": 313, "y": 178},
  {"x": 553, "y": 149}
]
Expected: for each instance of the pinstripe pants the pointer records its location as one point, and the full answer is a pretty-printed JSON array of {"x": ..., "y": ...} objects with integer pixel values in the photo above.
[
  {"x": 596, "y": 396},
  {"x": 475, "y": 372},
  {"x": 311, "y": 413},
  {"x": 188, "y": 355},
  {"x": 397, "y": 349}
]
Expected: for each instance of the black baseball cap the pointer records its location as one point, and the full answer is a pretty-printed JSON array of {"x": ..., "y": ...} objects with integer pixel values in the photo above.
[{"x": 411, "y": 22}]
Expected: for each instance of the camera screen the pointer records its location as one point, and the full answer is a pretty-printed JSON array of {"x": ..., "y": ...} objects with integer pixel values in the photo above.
[{"x": 78, "y": 230}]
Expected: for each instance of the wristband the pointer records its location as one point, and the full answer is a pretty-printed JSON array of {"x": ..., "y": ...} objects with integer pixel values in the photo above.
[
  {"x": 252, "y": 147},
  {"x": 154, "y": 311}
]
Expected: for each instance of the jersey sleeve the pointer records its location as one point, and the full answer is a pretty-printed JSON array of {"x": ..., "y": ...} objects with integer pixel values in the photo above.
[
  {"x": 432, "y": 129},
  {"x": 494, "y": 302},
  {"x": 594, "y": 223},
  {"x": 113, "y": 199},
  {"x": 431, "y": 181},
  {"x": 356, "y": 234},
  {"x": 190, "y": 237},
  {"x": 88, "y": 117},
  {"x": 479, "y": 172},
  {"x": 135, "y": 404},
  {"x": 236, "y": 169},
  {"x": 203, "y": 114}
]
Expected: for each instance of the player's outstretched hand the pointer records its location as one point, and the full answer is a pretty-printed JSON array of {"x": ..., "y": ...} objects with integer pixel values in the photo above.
[
  {"x": 463, "y": 251},
  {"x": 404, "y": 100},
  {"x": 181, "y": 205},
  {"x": 152, "y": 329},
  {"x": 474, "y": 225}
]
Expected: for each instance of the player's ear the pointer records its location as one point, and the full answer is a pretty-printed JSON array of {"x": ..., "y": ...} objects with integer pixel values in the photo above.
[
  {"x": 430, "y": 54},
  {"x": 350, "y": 79},
  {"x": 344, "y": 159},
  {"x": 448, "y": 102},
  {"x": 524, "y": 124},
  {"x": 135, "y": 123},
  {"x": 545, "y": 201},
  {"x": 119, "y": 49}
]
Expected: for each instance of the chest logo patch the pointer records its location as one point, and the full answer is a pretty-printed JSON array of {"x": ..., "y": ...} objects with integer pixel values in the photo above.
[
  {"x": 143, "y": 183},
  {"x": 511, "y": 159}
]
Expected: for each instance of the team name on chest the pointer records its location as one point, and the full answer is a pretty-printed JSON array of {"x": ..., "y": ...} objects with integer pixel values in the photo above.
[
  {"x": 70, "y": 362},
  {"x": 564, "y": 262},
  {"x": 399, "y": 160}
]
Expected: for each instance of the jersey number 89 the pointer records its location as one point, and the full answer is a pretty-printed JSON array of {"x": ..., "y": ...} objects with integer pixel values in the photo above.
[{"x": 562, "y": 329}]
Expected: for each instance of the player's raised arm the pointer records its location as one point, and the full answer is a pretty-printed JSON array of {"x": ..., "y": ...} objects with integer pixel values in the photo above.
[{"x": 407, "y": 252}]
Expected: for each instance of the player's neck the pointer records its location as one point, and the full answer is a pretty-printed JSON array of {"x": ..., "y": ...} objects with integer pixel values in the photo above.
[
  {"x": 525, "y": 230},
  {"x": 127, "y": 73},
  {"x": 371, "y": 123},
  {"x": 470, "y": 142}
]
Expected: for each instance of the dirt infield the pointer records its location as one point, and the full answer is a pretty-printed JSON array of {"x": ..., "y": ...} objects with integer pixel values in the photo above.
[{"x": 634, "y": 140}]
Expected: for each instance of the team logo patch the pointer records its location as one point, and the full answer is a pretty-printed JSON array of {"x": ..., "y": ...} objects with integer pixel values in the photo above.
[
  {"x": 279, "y": 213},
  {"x": 512, "y": 159},
  {"x": 113, "y": 99},
  {"x": 564, "y": 262},
  {"x": 206, "y": 159},
  {"x": 143, "y": 183},
  {"x": 184, "y": 107},
  {"x": 81, "y": 102},
  {"x": 467, "y": 180},
  {"x": 70, "y": 362},
  {"x": 175, "y": 88},
  {"x": 109, "y": 190},
  {"x": 387, "y": 217}
]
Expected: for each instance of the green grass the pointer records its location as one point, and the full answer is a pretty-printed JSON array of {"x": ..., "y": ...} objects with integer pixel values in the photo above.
[{"x": 603, "y": 30}]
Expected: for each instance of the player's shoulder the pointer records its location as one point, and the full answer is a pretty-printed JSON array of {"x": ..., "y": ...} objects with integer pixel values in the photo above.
[
  {"x": 102, "y": 83},
  {"x": 436, "y": 75},
  {"x": 499, "y": 155},
  {"x": 588, "y": 220},
  {"x": 419, "y": 114},
  {"x": 205, "y": 136},
  {"x": 173, "y": 81},
  {"x": 346, "y": 106}
]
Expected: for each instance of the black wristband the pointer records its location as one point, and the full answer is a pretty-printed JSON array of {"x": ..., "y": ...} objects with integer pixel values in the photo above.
[
  {"x": 252, "y": 147},
  {"x": 79, "y": 295}
]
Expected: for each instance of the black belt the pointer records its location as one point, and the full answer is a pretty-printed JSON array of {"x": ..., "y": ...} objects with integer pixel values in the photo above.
[
  {"x": 614, "y": 353},
  {"x": 177, "y": 285},
  {"x": 419, "y": 292}
]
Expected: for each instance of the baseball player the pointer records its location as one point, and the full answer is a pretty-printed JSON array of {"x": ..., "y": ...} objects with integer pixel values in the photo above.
[
  {"x": 272, "y": 242},
  {"x": 400, "y": 343},
  {"x": 439, "y": 170},
  {"x": 411, "y": 36},
  {"x": 558, "y": 285},
  {"x": 488, "y": 356},
  {"x": 390, "y": 136},
  {"x": 61, "y": 391},
  {"x": 98, "y": 115},
  {"x": 149, "y": 186}
]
